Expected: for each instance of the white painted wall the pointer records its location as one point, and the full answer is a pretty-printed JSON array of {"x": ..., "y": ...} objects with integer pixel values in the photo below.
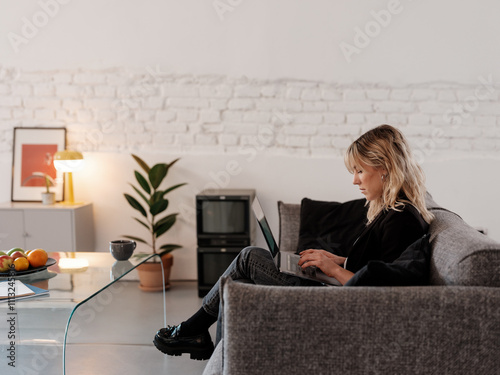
[
  {"x": 421, "y": 41},
  {"x": 225, "y": 76}
]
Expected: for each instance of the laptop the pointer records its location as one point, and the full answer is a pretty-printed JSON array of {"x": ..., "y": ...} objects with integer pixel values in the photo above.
[{"x": 287, "y": 262}]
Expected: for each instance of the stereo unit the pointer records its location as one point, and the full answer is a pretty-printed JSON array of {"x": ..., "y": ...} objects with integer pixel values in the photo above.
[
  {"x": 224, "y": 218},
  {"x": 224, "y": 226}
]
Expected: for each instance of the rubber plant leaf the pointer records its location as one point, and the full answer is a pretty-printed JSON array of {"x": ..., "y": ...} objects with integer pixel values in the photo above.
[
  {"x": 133, "y": 202},
  {"x": 143, "y": 223},
  {"x": 164, "y": 224},
  {"x": 167, "y": 248},
  {"x": 141, "y": 194},
  {"x": 173, "y": 188},
  {"x": 173, "y": 162},
  {"x": 156, "y": 197},
  {"x": 143, "y": 182},
  {"x": 158, "y": 207},
  {"x": 142, "y": 163},
  {"x": 157, "y": 174},
  {"x": 170, "y": 164}
]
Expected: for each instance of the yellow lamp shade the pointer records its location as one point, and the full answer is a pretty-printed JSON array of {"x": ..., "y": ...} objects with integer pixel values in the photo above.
[{"x": 68, "y": 161}]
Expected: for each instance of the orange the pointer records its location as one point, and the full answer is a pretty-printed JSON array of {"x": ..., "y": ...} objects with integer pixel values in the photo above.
[
  {"x": 38, "y": 257},
  {"x": 21, "y": 264}
]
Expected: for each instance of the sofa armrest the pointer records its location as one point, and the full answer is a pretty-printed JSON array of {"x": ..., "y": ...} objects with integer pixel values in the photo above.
[{"x": 328, "y": 330}]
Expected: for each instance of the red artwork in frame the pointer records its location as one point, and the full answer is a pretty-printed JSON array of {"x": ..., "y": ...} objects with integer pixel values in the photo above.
[
  {"x": 37, "y": 160},
  {"x": 32, "y": 161}
]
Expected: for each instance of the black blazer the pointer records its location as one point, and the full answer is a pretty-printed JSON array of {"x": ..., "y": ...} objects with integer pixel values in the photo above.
[{"x": 386, "y": 237}]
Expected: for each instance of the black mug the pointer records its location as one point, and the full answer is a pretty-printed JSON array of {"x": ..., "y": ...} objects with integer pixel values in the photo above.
[{"x": 122, "y": 249}]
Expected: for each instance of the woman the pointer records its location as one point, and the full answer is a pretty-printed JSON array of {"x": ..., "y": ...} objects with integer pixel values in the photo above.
[{"x": 393, "y": 184}]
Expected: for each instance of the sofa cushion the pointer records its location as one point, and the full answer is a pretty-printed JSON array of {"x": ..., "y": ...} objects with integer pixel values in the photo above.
[
  {"x": 411, "y": 268},
  {"x": 461, "y": 255},
  {"x": 330, "y": 226}
]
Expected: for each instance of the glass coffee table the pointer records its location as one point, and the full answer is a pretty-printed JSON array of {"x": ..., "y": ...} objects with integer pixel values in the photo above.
[{"x": 88, "y": 302}]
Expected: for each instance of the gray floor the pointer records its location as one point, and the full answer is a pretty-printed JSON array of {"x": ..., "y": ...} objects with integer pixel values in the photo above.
[{"x": 111, "y": 335}]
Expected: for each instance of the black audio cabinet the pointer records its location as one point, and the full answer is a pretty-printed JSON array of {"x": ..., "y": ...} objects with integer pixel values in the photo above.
[{"x": 224, "y": 226}]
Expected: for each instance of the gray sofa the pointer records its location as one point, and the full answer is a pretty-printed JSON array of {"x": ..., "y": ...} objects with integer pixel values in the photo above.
[{"x": 450, "y": 327}]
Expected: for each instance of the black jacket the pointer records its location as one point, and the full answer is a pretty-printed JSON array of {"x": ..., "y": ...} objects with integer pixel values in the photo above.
[{"x": 386, "y": 237}]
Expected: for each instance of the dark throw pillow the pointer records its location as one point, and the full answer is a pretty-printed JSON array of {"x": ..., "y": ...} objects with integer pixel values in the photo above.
[
  {"x": 411, "y": 268},
  {"x": 330, "y": 226}
]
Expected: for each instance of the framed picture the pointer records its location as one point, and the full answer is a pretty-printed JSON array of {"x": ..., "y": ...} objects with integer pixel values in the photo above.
[{"x": 33, "y": 161}]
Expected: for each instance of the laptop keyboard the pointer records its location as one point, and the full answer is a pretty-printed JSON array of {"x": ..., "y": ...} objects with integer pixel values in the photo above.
[{"x": 294, "y": 266}]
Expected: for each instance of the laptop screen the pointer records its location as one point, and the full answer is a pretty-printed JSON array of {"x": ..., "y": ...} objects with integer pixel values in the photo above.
[{"x": 264, "y": 226}]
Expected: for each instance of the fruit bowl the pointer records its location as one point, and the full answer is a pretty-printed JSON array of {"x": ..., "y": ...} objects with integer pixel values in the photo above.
[{"x": 50, "y": 262}]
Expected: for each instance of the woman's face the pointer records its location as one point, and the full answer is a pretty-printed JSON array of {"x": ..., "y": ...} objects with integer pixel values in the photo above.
[{"x": 369, "y": 180}]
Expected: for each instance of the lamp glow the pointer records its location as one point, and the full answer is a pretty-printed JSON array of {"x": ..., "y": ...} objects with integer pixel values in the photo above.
[
  {"x": 68, "y": 162},
  {"x": 73, "y": 264}
]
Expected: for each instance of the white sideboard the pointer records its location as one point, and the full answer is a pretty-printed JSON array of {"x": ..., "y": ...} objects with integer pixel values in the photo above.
[{"x": 57, "y": 227}]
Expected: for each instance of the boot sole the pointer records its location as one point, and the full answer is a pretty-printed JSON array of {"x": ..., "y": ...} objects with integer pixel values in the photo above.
[{"x": 199, "y": 354}]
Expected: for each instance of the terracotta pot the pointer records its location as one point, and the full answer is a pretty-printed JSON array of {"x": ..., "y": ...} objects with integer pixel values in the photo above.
[{"x": 150, "y": 274}]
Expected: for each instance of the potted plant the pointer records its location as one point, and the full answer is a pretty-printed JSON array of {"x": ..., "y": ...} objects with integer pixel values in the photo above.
[
  {"x": 48, "y": 197},
  {"x": 153, "y": 204}
]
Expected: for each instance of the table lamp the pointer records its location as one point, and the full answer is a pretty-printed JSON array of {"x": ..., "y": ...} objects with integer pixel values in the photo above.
[{"x": 68, "y": 162}]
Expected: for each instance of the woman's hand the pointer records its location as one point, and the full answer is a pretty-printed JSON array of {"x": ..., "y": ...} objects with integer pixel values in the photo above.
[
  {"x": 325, "y": 261},
  {"x": 337, "y": 259},
  {"x": 330, "y": 264}
]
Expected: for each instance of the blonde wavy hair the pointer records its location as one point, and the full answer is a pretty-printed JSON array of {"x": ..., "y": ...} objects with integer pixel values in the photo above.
[{"x": 386, "y": 147}]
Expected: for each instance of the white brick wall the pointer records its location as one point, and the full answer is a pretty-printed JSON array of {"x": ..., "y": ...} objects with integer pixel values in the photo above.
[{"x": 120, "y": 111}]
